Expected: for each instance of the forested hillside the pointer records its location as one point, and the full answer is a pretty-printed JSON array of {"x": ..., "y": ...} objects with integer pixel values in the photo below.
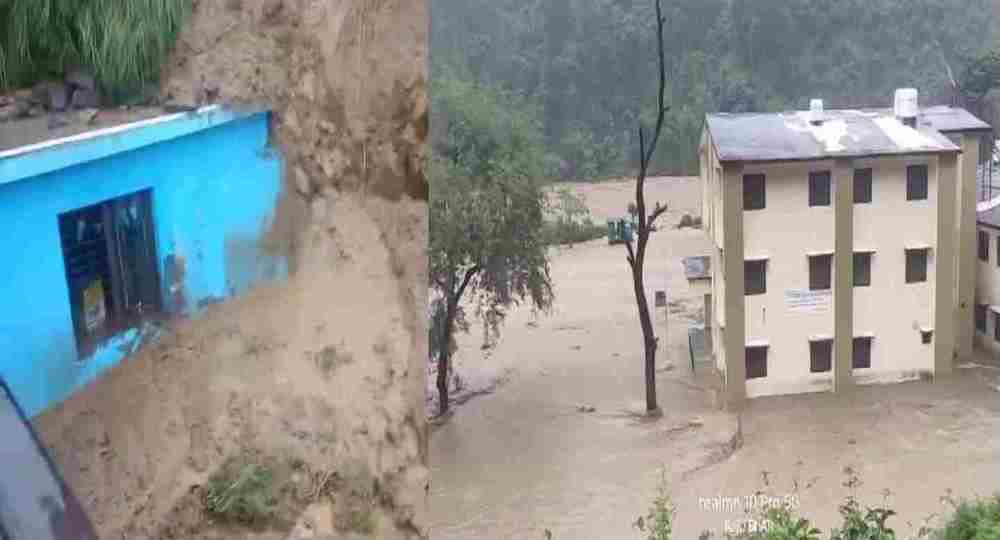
[{"x": 588, "y": 66}]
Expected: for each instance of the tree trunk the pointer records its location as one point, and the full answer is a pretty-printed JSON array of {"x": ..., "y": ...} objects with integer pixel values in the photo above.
[
  {"x": 444, "y": 361},
  {"x": 648, "y": 339}
]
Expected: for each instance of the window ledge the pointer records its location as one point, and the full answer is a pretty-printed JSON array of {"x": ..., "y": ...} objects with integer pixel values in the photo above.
[
  {"x": 821, "y": 337},
  {"x": 819, "y": 253},
  {"x": 757, "y": 343}
]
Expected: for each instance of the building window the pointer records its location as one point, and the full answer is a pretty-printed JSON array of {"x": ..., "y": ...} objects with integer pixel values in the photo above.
[
  {"x": 984, "y": 246},
  {"x": 916, "y": 182},
  {"x": 862, "y": 186},
  {"x": 996, "y": 326},
  {"x": 820, "y": 272},
  {"x": 820, "y": 355},
  {"x": 981, "y": 317},
  {"x": 756, "y": 362},
  {"x": 754, "y": 192},
  {"x": 819, "y": 188},
  {"x": 754, "y": 277},
  {"x": 862, "y": 353},
  {"x": 925, "y": 336},
  {"x": 862, "y": 269},
  {"x": 109, "y": 255},
  {"x": 916, "y": 265}
]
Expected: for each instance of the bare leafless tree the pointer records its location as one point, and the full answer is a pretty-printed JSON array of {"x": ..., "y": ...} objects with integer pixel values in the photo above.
[{"x": 645, "y": 223}]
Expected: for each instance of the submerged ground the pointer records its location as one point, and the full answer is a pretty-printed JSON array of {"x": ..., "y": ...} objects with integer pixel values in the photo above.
[{"x": 524, "y": 459}]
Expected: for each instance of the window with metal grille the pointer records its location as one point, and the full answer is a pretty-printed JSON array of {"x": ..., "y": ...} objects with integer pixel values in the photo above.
[
  {"x": 754, "y": 192},
  {"x": 984, "y": 246},
  {"x": 110, "y": 262},
  {"x": 820, "y": 355},
  {"x": 925, "y": 336},
  {"x": 819, "y": 188},
  {"x": 862, "y": 269},
  {"x": 916, "y": 265},
  {"x": 820, "y": 272},
  {"x": 916, "y": 182},
  {"x": 862, "y": 186},
  {"x": 861, "y": 356},
  {"x": 756, "y": 362},
  {"x": 996, "y": 326},
  {"x": 981, "y": 318},
  {"x": 754, "y": 277}
]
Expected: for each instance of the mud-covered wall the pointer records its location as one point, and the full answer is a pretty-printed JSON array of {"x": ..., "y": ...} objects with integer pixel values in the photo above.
[
  {"x": 346, "y": 83},
  {"x": 204, "y": 205}
]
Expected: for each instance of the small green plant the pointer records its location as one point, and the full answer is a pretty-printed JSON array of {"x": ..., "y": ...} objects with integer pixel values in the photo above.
[
  {"x": 242, "y": 491},
  {"x": 659, "y": 520},
  {"x": 976, "y": 519},
  {"x": 867, "y": 523},
  {"x": 362, "y": 521}
]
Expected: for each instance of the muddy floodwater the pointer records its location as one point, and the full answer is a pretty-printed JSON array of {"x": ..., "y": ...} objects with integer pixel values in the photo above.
[{"x": 528, "y": 457}]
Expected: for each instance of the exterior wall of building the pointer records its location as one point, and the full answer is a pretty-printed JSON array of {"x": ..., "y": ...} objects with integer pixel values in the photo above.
[
  {"x": 892, "y": 311},
  {"x": 988, "y": 291},
  {"x": 966, "y": 242},
  {"x": 769, "y": 233},
  {"x": 214, "y": 183}
]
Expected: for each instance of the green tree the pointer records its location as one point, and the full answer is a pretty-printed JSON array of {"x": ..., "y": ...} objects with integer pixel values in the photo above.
[{"x": 487, "y": 247}]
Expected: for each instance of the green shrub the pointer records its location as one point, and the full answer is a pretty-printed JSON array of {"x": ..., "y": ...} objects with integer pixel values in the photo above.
[
  {"x": 658, "y": 522},
  {"x": 243, "y": 491},
  {"x": 977, "y": 519},
  {"x": 571, "y": 221}
]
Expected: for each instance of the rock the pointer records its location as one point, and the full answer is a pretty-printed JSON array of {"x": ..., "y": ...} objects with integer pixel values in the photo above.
[
  {"x": 585, "y": 408},
  {"x": 57, "y": 121},
  {"x": 85, "y": 99},
  {"x": 302, "y": 181},
  {"x": 88, "y": 115},
  {"x": 686, "y": 221},
  {"x": 35, "y": 110},
  {"x": 58, "y": 96},
  {"x": 6, "y": 100},
  {"x": 81, "y": 79}
]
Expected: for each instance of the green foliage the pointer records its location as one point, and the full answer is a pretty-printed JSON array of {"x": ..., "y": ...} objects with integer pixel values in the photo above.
[
  {"x": 592, "y": 64},
  {"x": 658, "y": 523},
  {"x": 783, "y": 524},
  {"x": 572, "y": 222},
  {"x": 487, "y": 205},
  {"x": 243, "y": 491},
  {"x": 863, "y": 524},
  {"x": 977, "y": 519},
  {"x": 123, "y": 42}
]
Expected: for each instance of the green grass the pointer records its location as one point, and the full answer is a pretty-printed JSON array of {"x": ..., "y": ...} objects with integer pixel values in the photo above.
[
  {"x": 243, "y": 491},
  {"x": 123, "y": 42}
]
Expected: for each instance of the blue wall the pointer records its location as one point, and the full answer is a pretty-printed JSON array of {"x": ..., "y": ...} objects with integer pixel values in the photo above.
[{"x": 214, "y": 184}]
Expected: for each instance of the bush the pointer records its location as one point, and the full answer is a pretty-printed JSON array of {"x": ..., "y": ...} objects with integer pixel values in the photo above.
[
  {"x": 243, "y": 491},
  {"x": 571, "y": 221},
  {"x": 977, "y": 519},
  {"x": 658, "y": 522}
]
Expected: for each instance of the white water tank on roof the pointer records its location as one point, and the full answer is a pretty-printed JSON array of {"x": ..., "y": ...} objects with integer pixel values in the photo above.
[
  {"x": 906, "y": 105},
  {"x": 816, "y": 111}
]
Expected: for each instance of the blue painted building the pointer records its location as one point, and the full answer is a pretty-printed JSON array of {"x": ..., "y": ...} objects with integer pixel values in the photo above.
[{"x": 104, "y": 232}]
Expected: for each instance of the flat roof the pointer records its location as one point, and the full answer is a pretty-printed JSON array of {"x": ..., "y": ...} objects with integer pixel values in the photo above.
[
  {"x": 51, "y": 155},
  {"x": 788, "y": 136}
]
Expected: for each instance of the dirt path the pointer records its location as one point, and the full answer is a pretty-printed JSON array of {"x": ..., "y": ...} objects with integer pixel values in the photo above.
[{"x": 511, "y": 464}]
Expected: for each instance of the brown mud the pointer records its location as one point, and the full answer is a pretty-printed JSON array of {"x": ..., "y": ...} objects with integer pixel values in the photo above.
[{"x": 325, "y": 369}]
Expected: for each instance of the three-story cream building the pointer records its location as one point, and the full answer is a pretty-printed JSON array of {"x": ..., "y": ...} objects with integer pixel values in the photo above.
[{"x": 842, "y": 245}]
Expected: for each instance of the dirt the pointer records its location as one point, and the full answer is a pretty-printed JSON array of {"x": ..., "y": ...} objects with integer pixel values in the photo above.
[
  {"x": 524, "y": 459},
  {"x": 326, "y": 368}
]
